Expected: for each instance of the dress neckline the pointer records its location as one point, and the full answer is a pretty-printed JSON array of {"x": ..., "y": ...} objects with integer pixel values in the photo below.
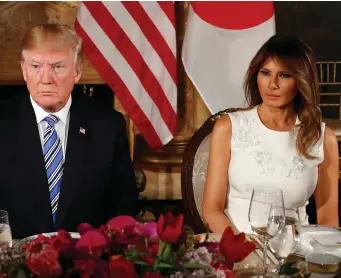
[{"x": 272, "y": 130}]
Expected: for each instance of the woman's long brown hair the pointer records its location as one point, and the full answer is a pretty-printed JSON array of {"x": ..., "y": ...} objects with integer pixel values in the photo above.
[{"x": 298, "y": 58}]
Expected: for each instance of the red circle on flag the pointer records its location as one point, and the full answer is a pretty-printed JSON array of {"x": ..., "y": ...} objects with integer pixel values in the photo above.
[{"x": 234, "y": 15}]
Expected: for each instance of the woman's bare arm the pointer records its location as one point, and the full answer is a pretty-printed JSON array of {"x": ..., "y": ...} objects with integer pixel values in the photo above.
[
  {"x": 326, "y": 194},
  {"x": 216, "y": 186}
]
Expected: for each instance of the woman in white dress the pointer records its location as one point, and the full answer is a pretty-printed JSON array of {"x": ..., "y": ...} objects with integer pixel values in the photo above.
[{"x": 279, "y": 140}]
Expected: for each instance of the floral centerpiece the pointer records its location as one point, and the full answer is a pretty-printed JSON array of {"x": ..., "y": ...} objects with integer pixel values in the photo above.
[{"x": 125, "y": 248}]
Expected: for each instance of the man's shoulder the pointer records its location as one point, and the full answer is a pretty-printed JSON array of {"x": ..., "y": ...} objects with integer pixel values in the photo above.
[{"x": 9, "y": 106}]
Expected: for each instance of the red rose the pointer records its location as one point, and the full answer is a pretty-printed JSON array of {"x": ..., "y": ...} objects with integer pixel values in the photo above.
[
  {"x": 42, "y": 260},
  {"x": 229, "y": 274},
  {"x": 92, "y": 241},
  {"x": 122, "y": 240},
  {"x": 152, "y": 275},
  {"x": 220, "y": 265},
  {"x": 153, "y": 248},
  {"x": 234, "y": 248},
  {"x": 128, "y": 236},
  {"x": 61, "y": 242},
  {"x": 39, "y": 239},
  {"x": 92, "y": 268},
  {"x": 104, "y": 230},
  {"x": 121, "y": 222},
  {"x": 84, "y": 227},
  {"x": 120, "y": 267},
  {"x": 149, "y": 260},
  {"x": 169, "y": 228}
]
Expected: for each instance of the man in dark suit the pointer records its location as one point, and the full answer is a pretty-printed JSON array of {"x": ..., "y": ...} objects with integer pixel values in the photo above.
[{"x": 64, "y": 160}]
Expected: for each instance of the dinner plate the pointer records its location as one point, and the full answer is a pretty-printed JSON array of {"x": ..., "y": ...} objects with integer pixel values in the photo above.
[
  {"x": 319, "y": 238},
  {"x": 30, "y": 238}
]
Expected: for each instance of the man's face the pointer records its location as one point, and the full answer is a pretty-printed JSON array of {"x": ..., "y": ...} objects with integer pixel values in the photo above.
[{"x": 50, "y": 76}]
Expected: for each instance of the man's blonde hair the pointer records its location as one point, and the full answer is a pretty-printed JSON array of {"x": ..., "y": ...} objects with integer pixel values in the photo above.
[{"x": 53, "y": 37}]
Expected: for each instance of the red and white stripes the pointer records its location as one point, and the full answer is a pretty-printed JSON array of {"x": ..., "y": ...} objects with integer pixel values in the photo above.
[{"x": 132, "y": 45}]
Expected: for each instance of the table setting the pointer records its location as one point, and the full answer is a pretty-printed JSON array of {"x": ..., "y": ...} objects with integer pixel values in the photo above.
[
  {"x": 123, "y": 247},
  {"x": 280, "y": 246}
]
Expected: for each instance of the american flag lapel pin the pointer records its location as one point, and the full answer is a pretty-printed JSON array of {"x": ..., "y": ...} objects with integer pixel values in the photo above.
[{"x": 82, "y": 130}]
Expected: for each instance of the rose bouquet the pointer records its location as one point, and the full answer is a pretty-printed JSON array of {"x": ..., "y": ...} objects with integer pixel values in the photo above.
[{"x": 125, "y": 248}]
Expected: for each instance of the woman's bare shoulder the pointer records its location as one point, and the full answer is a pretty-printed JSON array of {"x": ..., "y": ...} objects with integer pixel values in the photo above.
[
  {"x": 330, "y": 139},
  {"x": 223, "y": 126},
  {"x": 329, "y": 135}
]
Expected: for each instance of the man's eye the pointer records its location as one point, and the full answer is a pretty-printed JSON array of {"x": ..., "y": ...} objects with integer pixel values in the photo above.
[
  {"x": 35, "y": 66},
  {"x": 58, "y": 67}
]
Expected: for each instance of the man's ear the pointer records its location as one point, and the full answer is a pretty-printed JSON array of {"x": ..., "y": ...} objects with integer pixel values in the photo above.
[
  {"x": 78, "y": 72},
  {"x": 23, "y": 69}
]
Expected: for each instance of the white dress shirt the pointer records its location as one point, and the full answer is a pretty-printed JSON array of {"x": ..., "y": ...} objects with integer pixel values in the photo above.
[{"x": 61, "y": 127}]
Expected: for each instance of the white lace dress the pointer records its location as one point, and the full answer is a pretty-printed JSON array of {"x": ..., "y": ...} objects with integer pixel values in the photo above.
[{"x": 264, "y": 157}]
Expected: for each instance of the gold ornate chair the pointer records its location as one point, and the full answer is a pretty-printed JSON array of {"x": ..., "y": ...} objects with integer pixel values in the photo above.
[
  {"x": 329, "y": 75},
  {"x": 193, "y": 172}
]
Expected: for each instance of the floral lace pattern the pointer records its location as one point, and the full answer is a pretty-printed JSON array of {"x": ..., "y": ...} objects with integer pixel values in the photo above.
[
  {"x": 298, "y": 165},
  {"x": 263, "y": 158},
  {"x": 245, "y": 137}
]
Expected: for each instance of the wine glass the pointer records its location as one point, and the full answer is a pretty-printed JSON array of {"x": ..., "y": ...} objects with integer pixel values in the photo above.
[
  {"x": 286, "y": 241},
  {"x": 266, "y": 215},
  {"x": 5, "y": 229}
]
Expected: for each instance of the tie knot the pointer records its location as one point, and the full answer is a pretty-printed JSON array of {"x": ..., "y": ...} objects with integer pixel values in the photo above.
[{"x": 51, "y": 120}]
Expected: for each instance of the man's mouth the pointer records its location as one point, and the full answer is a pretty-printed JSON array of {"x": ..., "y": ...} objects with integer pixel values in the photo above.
[{"x": 47, "y": 93}]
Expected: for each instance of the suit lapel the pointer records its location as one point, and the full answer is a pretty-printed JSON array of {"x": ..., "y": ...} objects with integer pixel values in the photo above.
[
  {"x": 30, "y": 156},
  {"x": 76, "y": 150}
]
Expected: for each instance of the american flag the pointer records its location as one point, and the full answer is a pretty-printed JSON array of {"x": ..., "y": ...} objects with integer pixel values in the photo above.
[{"x": 132, "y": 45}]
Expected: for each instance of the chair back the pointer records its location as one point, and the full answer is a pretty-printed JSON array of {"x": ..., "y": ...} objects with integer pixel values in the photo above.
[{"x": 193, "y": 172}]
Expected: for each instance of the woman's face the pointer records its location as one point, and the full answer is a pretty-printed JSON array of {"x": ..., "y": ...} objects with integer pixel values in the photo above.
[{"x": 276, "y": 85}]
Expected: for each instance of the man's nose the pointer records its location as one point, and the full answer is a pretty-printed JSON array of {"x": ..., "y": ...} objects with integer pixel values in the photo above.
[{"x": 46, "y": 77}]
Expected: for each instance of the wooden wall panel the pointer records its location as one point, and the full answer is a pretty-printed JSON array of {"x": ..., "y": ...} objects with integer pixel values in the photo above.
[
  {"x": 316, "y": 22},
  {"x": 16, "y": 17}
]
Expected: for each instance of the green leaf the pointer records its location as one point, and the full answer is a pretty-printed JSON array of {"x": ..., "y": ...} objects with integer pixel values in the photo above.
[
  {"x": 140, "y": 262},
  {"x": 161, "y": 247},
  {"x": 132, "y": 255},
  {"x": 165, "y": 265},
  {"x": 182, "y": 250},
  {"x": 166, "y": 251},
  {"x": 194, "y": 265},
  {"x": 287, "y": 269},
  {"x": 173, "y": 258},
  {"x": 21, "y": 274}
]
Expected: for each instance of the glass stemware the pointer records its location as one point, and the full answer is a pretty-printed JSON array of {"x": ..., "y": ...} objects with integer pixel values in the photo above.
[
  {"x": 5, "y": 229},
  {"x": 266, "y": 215},
  {"x": 286, "y": 241}
]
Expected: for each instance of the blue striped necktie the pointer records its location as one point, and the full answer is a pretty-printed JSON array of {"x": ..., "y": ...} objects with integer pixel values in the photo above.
[{"x": 54, "y": 161}]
